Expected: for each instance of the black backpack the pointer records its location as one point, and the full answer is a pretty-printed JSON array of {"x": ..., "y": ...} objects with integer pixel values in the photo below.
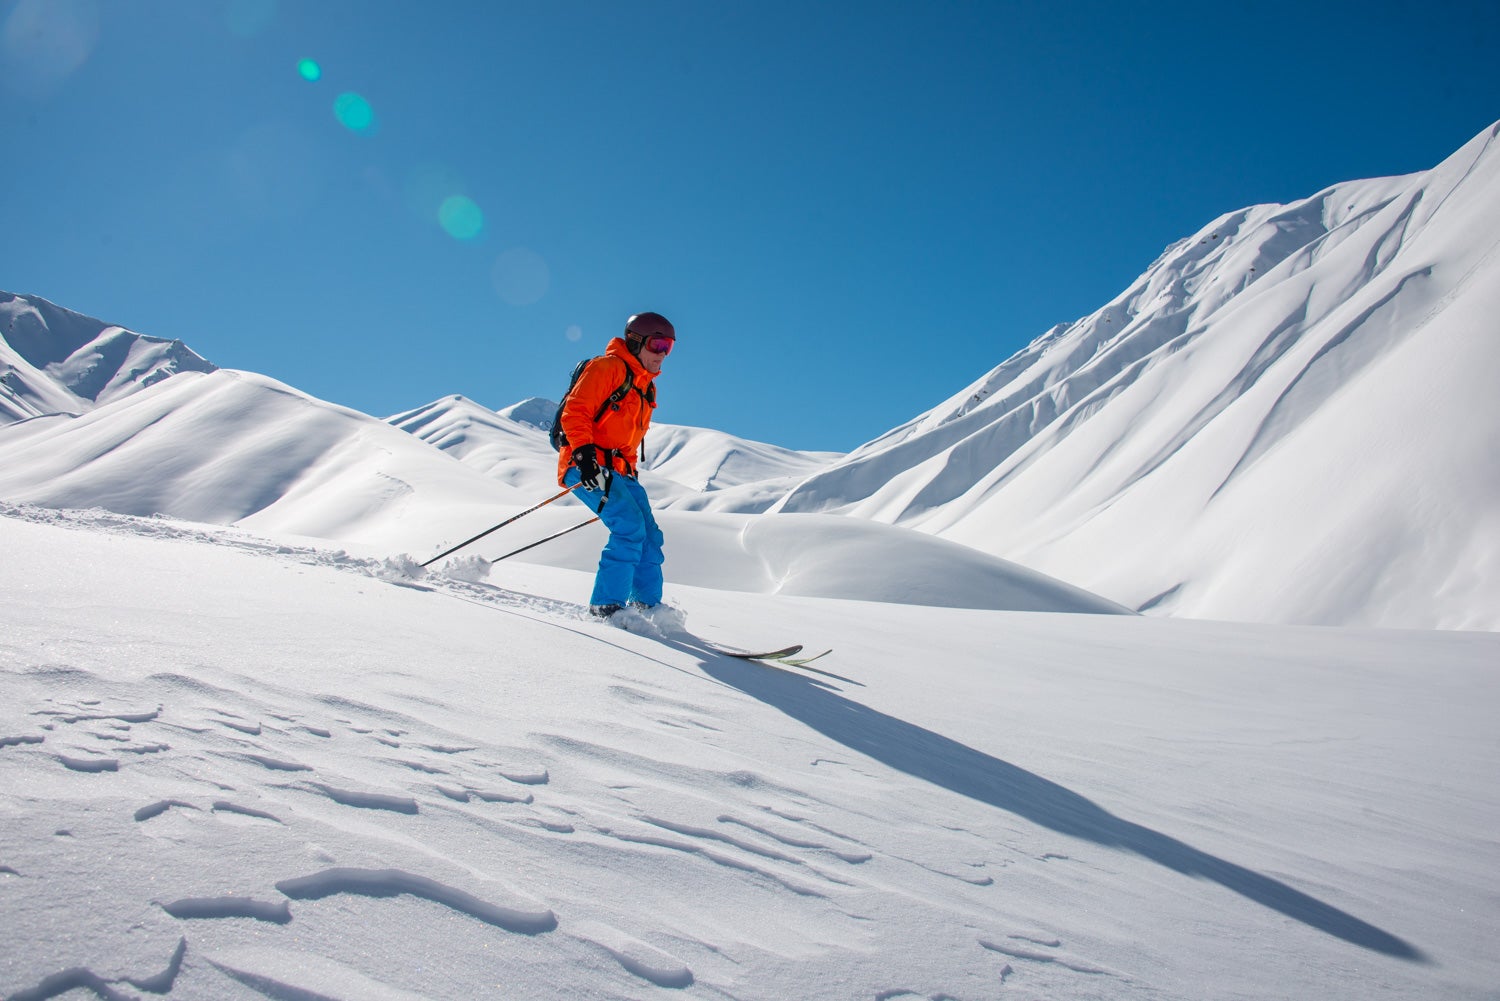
[{"x": 556, "y": 436}]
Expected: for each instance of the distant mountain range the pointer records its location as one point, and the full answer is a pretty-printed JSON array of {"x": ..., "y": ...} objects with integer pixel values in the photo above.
[
  {"x": 1288, "y": 417},
  {"x": 53, "y": 360}
]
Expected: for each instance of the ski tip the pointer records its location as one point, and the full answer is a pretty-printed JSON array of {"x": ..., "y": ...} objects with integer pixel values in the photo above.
[{"x": 804, "y": 661}]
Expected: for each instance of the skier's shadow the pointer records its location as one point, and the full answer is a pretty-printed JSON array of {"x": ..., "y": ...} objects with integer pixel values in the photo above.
[{"x": 944, "y": 762}]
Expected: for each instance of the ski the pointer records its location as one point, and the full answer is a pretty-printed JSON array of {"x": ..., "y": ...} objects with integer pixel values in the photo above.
[
  {"x": 784, "y": 652},
  {"x": 787, "y": 659}
]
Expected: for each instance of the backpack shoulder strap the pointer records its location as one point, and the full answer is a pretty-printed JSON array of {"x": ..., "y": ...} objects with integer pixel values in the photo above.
[{"x": 612, "y": 402}]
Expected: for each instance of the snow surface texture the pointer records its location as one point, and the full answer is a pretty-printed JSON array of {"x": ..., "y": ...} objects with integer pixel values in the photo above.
[{"x": 239, "y": 768}]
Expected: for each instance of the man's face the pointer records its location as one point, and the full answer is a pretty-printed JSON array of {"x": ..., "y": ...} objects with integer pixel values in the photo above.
[{"x": 653, "y": 351}]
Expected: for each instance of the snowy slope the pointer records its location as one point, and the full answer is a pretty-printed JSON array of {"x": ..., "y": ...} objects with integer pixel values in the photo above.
[
  {"x": 235, "y": 448},
  {"x": 53, "y": 360},
  {"x": 510, "y": 447},
  {"x": 235, "y": 769},
  {"x": 1289, "y": 417},
  {"x": 709, "y": 460}
]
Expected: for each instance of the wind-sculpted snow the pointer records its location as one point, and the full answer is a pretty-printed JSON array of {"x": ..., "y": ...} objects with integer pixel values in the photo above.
[
  {"x": 394, "y": 882},
  {"x": 277, "y": 912},
  {"x": 344, "y": 777}
]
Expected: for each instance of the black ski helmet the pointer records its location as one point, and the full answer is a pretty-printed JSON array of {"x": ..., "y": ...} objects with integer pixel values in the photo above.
[{"x": 644, "y": 325}]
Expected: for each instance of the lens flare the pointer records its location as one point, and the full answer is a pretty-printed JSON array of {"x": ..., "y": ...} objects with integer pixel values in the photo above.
[
  {"x": 460, "y": 217},
  {"x": 354, "y": 113},
  {"x": 309, "y": 70},
  {"x": 43, "y": 42},
  {"x": 574, "y": 333},
  {"x": 521, "y": 276}
]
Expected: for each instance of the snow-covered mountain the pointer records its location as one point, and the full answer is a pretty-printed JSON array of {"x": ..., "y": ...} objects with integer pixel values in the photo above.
[
  {"x": 1290, "y": 416},
  {"x": 53, "y": 360},
  {"x": 510, "y": 446},
  {"x": 686, "y": 468},
  {"x": 236, "y": 448}
]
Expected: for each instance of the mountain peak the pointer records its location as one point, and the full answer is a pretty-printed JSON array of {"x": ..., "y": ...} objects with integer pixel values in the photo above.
[{"x": 53, "y": 360}]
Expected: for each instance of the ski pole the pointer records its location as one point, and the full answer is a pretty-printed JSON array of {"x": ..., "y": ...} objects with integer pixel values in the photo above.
[
  {"x": 549, "y": 538},
  {"x": 507, "y": 521}
]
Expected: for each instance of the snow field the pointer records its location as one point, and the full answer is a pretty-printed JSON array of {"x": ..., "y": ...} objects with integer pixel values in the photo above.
[{"x": 237, "y": 768}]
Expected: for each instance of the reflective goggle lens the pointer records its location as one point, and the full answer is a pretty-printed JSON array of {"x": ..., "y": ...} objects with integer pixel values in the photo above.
[{"x": 659, "y": 345}]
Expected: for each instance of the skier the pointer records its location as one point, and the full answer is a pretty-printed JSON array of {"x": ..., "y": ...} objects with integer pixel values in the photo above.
[{"x": 604, "y": 418}]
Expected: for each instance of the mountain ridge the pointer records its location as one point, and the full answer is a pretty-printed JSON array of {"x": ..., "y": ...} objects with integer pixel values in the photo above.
[
  {"x": 1178, "y": 394},
  {"x": 54, "y": 360},
  {"x": 1285, "y": 418}
]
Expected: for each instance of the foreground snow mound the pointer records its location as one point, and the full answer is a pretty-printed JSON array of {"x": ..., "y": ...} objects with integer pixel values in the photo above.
[
  {"x": 1299, "y": 394},
  {"x": 824, "y": 556},
  {"x": 820, "y": 556},
  {"x": 234, "y": 769}
]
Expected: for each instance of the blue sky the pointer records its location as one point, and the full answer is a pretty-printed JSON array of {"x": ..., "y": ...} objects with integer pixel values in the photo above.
[{"x": 850, "y": 210}]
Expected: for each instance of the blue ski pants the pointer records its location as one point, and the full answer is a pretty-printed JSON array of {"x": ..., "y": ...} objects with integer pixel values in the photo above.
[{"x": 630, "y": 565}]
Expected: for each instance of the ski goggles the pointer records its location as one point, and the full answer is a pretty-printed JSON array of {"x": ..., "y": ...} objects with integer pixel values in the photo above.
[{"x": 659, "y": 345}]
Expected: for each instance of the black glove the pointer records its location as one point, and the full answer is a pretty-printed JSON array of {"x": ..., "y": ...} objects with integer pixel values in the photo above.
[{"x": 586, "y": 458}]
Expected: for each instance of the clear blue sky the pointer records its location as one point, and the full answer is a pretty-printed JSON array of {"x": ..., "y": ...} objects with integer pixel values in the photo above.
[{"x": 850, "y": 210}]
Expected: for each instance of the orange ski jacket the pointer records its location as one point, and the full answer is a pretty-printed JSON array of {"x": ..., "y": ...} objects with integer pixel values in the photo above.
[{"x": 622, "y": 427}]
